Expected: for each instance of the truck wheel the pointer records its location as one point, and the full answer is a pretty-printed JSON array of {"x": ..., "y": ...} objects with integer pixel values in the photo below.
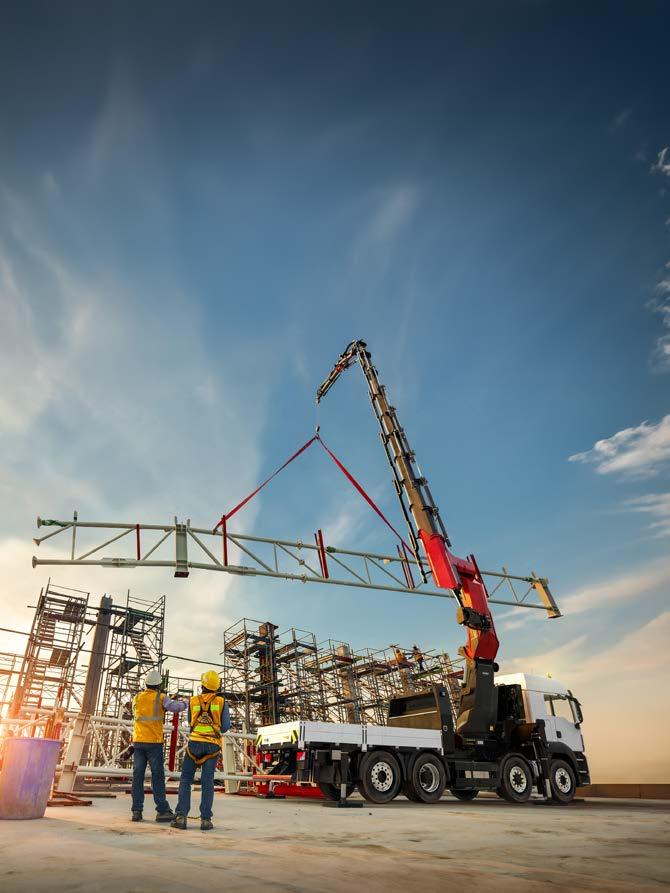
[
  {"x": 562, "y": 781},
  {"x": 379, "y": 776},
  {"x": 516, "y": 779},
  {"x": 463, "y": 795},
  {"x": 427, "y": 779},
  {"x": 332, "y": 791}
]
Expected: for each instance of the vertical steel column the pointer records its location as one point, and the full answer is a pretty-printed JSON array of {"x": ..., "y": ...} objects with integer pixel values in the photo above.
[{"x": 77, "y": 743}]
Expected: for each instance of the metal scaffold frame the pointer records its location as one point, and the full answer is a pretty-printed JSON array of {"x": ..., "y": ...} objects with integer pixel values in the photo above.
[
  {"x": 48, "y": 675},
  {"x": 279, "y": 559}
]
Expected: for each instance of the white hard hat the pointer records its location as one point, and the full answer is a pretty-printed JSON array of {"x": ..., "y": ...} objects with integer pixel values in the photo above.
[{"x": 153, "y": 677}]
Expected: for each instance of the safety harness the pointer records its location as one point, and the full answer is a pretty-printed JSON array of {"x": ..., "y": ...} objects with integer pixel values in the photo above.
[{"x": 206, "y": 723}]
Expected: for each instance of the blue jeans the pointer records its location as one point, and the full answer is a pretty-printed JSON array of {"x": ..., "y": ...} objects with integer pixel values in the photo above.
[
  {"x": 198, "y": 749},
  {"x": 152, "y": 754}
]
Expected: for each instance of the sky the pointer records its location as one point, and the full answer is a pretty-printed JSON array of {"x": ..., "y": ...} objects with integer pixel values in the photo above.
[{"x": 201, "y": 205}]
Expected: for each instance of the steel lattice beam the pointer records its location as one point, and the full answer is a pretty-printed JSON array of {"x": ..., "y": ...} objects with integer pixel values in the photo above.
[{"x": 140, "y": 544}]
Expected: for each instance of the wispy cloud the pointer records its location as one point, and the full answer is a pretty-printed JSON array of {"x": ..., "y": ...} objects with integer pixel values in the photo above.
[
  {"x": 638, "y": 451},
  {"x": 647, "y": 579},
  {"x": 641, "y": 649},
  {"x": 622, "y": 118},
  {"x": 388, "y": 213},
  {"x": 660, "y": 358},
  {"x": 558, "y": 661},
  {"x": 657, "y": 506},
  {"x": 394, "y": 211},
  {"x": 661, "y": 166},
  {"x": 660, "y": 304}
]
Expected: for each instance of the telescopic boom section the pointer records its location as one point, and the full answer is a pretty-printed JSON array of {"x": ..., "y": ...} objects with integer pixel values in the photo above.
[{"x": 461, "y": 575}]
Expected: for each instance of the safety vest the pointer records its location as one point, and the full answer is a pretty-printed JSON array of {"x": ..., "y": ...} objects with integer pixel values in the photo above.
[
  {"x": 149, "y": 717},
  {"x": 206, "y": 712}
]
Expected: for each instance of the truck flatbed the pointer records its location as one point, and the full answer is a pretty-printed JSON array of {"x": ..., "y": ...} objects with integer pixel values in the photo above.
[{"x": 305, "y": 732}]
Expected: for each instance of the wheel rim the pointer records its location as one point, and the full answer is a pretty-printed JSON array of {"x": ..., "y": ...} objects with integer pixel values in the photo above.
[
  {"x": 429, "y": 778},
  {"x": 381, "y": 776},
  {"x": 562, "y": 780},
  {"x": 517, "y": 779}
]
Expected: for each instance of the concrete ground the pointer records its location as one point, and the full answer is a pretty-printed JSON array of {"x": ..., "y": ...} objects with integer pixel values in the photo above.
[{"x": 295, "y": 846}]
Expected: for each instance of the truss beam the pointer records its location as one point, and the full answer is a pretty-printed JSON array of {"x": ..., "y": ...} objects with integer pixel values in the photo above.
[{"x": 269, "y": 557}]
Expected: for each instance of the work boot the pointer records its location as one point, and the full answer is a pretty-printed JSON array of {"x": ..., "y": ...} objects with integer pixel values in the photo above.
[
  {"x": 165, "y": 816},
  {"x": 206, "y": 825},
  {"x": 179, "y": 821},
  {"x": 136, "y": 816}
]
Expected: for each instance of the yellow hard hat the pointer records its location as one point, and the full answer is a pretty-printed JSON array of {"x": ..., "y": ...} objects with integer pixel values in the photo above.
[{"x": 210, "y": 680}]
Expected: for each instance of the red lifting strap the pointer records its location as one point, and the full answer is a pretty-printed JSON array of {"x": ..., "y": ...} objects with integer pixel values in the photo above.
[
  {"x": 258, "y": 489},
  {"x": 365, "y": 496},
  {"x": 352, "y": 480}
]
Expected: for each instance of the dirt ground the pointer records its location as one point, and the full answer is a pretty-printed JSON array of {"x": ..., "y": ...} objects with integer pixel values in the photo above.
[{"x": 295, "y": 846}]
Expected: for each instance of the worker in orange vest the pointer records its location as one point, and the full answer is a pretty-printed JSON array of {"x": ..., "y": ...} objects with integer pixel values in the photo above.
[
  {"x": 418, "y": 656},
  {"x": 209, "y": 718},
  {"x": 149, "y": 708}
]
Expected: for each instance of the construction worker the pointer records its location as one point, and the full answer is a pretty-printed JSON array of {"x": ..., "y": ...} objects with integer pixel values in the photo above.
[
  {"x": 149, "y": 708},
  {"x": 400, "y": 657},
  {"x": 418, "y": 656},
  {"x": 209, "y": 717}
]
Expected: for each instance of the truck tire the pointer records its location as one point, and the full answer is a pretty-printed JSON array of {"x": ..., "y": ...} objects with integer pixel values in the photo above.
[
  {"x": 379, "y": 776},
  {"x": 562, "y": 781},
  {"x": 463, "y": 795},
  {"x": 332, "y": 791},
  {"x": 427, "y": 778},
  {"x": 516, "y": 779}
]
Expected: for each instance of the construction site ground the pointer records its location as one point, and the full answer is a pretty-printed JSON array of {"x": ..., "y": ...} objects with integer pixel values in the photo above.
[{"x": 293, "y": 845}]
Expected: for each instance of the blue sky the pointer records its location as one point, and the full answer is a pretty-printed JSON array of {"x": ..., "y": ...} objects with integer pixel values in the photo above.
[{"x": 200, "y": 208}]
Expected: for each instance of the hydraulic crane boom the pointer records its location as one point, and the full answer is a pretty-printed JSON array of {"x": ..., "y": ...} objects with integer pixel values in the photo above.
[{"x": 477, "y": 711}]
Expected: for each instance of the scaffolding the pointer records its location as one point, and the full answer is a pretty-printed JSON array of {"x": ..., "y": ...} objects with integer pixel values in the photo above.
[
  {"x": 48, "y": 675},
  {"x": 272, "y": 676},
  {"x": 341, "y": 693},
  {"x": 135, "y": 647},
  {"x": 250, "y": 681}
]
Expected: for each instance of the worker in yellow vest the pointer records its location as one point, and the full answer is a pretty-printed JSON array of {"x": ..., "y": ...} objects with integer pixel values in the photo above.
[
  {"x": 209, "y": 718},
  {"x": 149, "y": 708}
]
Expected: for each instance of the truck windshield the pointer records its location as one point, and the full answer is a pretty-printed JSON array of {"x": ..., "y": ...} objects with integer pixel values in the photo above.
[{"x": 561, "y": 706}]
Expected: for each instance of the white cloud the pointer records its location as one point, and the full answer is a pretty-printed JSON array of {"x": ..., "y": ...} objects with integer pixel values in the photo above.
[
  {"x": 657, "y": 505},
  {"x": 558, "y": 662},
  {"x": 638, "y": 451},
  {"x": 660, "y": 358},
  {"x": 661, "y": 166},
  {"x": 661, "y": 354}
]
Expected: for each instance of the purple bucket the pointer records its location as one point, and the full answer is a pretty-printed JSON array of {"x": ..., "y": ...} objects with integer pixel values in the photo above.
[{"x": 27, "y": 774}]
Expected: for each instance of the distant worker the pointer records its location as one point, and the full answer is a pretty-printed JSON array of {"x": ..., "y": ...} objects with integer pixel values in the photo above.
[
  {"x": 149, "y": 708},
  {"x": 418, "y": 656},
  {"x": 400, "y": 657},
  {"x": 209, "y": 718}
]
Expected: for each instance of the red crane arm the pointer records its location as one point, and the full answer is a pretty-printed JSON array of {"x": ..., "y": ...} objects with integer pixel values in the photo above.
[{"x": 461, "y": 575}]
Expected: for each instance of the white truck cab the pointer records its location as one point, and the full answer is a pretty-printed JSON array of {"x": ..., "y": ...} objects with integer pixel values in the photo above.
[{"x": 548, "y": 699}]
